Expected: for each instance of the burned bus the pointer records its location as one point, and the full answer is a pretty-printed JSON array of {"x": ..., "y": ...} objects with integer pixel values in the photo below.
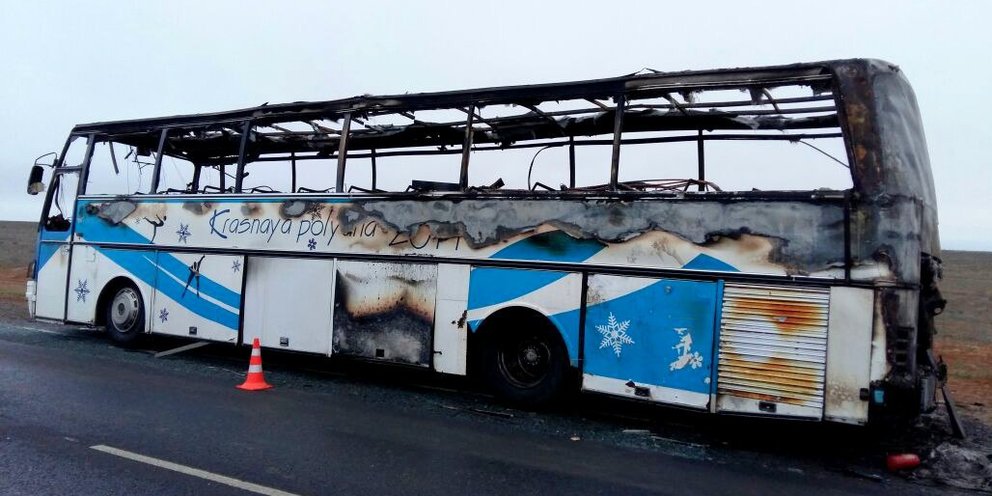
[{"x": 754, "y": 241}]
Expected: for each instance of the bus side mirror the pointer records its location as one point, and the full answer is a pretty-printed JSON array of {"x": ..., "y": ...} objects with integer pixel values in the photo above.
[{"x": 36, "y": 182}]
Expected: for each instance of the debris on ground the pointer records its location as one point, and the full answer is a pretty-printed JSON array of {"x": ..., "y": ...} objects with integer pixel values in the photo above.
[{"x": 960, "y": 466}]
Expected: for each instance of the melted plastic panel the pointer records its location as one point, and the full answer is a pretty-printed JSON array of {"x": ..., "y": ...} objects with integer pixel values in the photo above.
[{"x": 385, "y": 311}]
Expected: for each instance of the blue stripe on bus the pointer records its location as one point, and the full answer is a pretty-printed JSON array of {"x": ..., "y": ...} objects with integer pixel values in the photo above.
[
  {"x": 141, "y": 266},
  {"x": 45, "y": 253},
  {"x": 664, "y": 322},
  {"x": 98, "y": 230},
  {"x": 48, "y": 243},
  {"x": 176, "y": 267},
  {"x": 552, "y": 246},
  {"x": 568, "y": 325},
  {"x": 47, "y": 235},
  {"x": 706, "y": 262},
  {"x": 492, "y": 286}
]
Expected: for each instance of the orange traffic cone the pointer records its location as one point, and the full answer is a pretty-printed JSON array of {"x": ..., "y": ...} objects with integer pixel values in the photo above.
[{"x": 256, "y": 379}]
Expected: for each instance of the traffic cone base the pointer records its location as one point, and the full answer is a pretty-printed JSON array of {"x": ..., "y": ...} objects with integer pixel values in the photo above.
[{"x": 256, "y": 379}]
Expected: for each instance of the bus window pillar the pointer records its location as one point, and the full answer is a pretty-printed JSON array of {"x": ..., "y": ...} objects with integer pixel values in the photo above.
[
  {"x": 239, "y": 177},
  {"x": 571, "y": 162},
  {"x": 466, "y": 148},
  {"x": 701, "y": 159},
  {"x": 621, "y": 102},
  {"x": 343, "y": 152}
]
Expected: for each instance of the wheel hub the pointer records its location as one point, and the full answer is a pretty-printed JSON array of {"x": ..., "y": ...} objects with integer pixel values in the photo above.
[
  {"x": 524, "y": 362},
  {"x": 125, "y": 309},
  {"x": 530, "y": 355}
]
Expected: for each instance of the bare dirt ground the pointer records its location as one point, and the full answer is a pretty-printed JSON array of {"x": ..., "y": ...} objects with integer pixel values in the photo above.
[
  {"x": 965, "y": 339},
  {"x": 17, "y": 245}
]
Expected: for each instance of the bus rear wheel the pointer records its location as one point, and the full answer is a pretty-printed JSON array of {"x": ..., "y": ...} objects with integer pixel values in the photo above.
[
  {"x": 526, "y": 365},
  {"x": 125, "y": 315}
]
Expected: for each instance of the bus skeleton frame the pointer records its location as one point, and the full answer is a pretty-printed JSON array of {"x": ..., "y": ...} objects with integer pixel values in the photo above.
[{"x": 812, "y": 304}]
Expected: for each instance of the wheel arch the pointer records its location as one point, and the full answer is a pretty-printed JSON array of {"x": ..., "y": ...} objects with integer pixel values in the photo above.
[
  {"x": 111, "y": 287},
  {"x": 565, "y": 324},
  {"x": 516, "y": 314}
]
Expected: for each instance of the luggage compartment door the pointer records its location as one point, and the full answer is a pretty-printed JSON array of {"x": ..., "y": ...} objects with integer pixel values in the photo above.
[
  {"x": 288, "y": 303},
  {"x": 650, "y": 339}
]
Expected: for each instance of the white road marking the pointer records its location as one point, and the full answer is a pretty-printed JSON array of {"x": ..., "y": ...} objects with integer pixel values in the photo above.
[{"x": 195, "y": 472}]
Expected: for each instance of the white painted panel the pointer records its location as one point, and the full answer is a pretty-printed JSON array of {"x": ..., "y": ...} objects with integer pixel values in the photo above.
[
  {"x": 660, "y": 394},
  {"x": 288, "y": 303},
  {"x": 848, "y": 354},
  {"x": 738, "y": 404},
  {"x": 51, "y": 285},
  {"x": 450, "y": 329},
  {"x": 89, "y": 275},
  {"x": 207, "y": 308},
  {"x": 92, "y": 270}
]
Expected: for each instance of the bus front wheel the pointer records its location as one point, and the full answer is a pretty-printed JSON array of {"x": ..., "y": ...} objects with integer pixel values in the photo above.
[
  {"x": 526, "y": 365},
  {"x": 125, "y": 315}
]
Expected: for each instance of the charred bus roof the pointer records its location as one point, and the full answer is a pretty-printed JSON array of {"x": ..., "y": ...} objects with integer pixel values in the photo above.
[{"x": 869, "y": 101}]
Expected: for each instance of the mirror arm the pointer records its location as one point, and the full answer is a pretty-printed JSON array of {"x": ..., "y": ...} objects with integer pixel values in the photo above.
[{"x": 45, "y": 155}]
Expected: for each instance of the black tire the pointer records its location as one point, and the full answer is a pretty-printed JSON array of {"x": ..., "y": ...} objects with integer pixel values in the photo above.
[
  {"x": 125, "y": 315},
  {"x": 525, "y": 365}
]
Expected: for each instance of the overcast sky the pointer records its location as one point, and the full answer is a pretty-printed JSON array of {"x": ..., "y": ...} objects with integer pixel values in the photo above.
[{"x": 66, "y": 63}]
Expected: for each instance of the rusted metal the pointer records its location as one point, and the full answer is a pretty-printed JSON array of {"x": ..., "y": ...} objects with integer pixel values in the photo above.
[{"x": 773, "y": 343}]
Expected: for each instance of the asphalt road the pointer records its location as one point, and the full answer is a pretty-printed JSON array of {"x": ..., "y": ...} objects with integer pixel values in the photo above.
[{"x": 75, "y": 412}]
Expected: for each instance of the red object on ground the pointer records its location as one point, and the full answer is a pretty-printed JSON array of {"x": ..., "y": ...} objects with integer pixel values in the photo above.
[
  {"x": 256, "y": 379},
  {"x": 902, "y": 461}
]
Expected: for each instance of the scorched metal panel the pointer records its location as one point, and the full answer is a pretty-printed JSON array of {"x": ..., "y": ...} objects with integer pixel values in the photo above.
[{"x": 772, "y": 354}]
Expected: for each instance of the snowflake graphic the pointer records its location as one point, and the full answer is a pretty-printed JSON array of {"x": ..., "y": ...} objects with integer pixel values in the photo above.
[
  {"x": 81, "y": 291},
  {"x": 164, "y": 314},
  {"x": 183, "y": 232},
  {"x": 236, "y": 266},
  {"x": 614, "y": 334},
  {"x": 312, "y": 244}
]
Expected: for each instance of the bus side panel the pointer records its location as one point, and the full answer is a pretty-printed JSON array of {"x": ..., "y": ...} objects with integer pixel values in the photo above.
[
  {"x": 556, "y": 295},
  {"x": 849, "y": 354},
  {"x": 650, "y": 339},
  {"x": 52, "y": 268},
  {"x": 773, "y": 350},
  {"x": 288, "y": 303},
  {"x": 94, "y": 266},
  {"x": 197, "y": 295},
  {"x": 450, "y": 329},
  {"x": 385, "y": 311}
]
